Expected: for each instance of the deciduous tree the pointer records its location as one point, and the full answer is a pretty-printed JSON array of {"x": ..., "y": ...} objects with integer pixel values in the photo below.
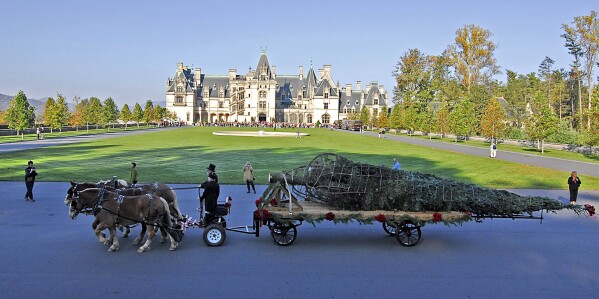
[
  {"x": 138, "y": 114},
  {"x": 19, "y": 114},
  {"x": 584, "y": 32},
  {"x": 473, "y": 55},
  {"x": 126, "y": 115},
  {"x": 492, "y": 123},
  {"x": 462, "y": 119}
]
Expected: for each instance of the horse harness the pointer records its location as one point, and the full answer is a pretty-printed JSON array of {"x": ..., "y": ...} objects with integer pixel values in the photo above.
[{"x": 119, "y": 200}]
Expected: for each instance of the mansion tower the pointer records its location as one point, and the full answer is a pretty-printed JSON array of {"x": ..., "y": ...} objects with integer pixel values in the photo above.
[{"x": 263, "y": 95}]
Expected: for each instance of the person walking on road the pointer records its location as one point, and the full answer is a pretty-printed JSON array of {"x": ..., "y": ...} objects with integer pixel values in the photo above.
[
  {"x": 573, "y": 184},
  {"x": 133, "y": 175},
  {"x": 248, "y": 176},
  {"x": 493, "y": 149},
  {"x": 30, "y": 174}
]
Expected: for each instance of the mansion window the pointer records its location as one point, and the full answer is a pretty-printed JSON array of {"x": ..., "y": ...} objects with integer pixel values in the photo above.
[
  {"x": 205, "y": 94},
  {"x": 263, "y": 94},
  {"x": 262, "y": 105},
  {"x": 357, "y": 102},
  {"x": 353, "y": 110},
  {"x": 179, "y": 88},
  {"x": 178, "y": 100},
  {"x": 326, "y": 95},
  {"x": 326, "y": 118},
  {"x": 299, "y": 97},
  {"x": 326, "y": 105},
  {"x": 221, "y": 104},
  {"x": 345, "y": 110},
  {"x": 221, "y": 94},
  {"x": 309, "y": 118},
  {"x": 376, "y": 101}
]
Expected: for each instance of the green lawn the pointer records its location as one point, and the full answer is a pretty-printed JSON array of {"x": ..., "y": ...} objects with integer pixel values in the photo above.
[
  {"x": 57, "y": 134},
  {"x": 520, "y": 149},
  {"x": 181, "y": 156}
]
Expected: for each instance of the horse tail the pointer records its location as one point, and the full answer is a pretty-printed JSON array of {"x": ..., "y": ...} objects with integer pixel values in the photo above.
[{"x": 176, "y": 204}]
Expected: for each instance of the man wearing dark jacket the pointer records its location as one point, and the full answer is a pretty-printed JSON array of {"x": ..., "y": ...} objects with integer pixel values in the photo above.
[
  {"x": 210, "y": 195},
  {"x": 30, "y": 175}
]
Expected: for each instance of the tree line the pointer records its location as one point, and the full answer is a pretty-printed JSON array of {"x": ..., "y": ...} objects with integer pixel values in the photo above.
[
  {"x": 90, "y": 111},
  {"x": 455, "y": 92}
]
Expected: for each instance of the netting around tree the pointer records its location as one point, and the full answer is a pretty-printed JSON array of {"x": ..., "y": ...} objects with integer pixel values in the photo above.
[{"x": 343, "y": 184}]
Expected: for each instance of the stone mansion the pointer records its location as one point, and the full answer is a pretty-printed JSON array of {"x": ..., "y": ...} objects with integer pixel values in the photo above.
[{"x": 264, "y": 95}]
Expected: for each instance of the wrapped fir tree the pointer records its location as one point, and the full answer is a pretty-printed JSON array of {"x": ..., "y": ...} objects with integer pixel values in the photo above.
[{"x": 346, "y": 185}]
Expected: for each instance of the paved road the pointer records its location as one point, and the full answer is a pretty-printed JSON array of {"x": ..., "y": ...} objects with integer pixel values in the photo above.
[
  {"x": 583, "y": 168},
  {"x": 25, "y": 145},
  {"x": 45, "y": 254}
]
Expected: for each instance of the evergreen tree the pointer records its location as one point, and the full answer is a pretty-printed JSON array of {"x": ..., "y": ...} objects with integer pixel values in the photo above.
[
  {"x": 427, "y": 122},
  {"x": 126, "y": 115},
  {"x": 138, "y": 114},
  {"x": 19, "y": 114}
]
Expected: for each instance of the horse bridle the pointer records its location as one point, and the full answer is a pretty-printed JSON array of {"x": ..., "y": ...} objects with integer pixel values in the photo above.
[{"x": 87, "y": 210}]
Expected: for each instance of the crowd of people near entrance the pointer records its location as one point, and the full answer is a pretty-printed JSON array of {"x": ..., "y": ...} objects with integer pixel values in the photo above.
[{"x": 258, "y": 124}]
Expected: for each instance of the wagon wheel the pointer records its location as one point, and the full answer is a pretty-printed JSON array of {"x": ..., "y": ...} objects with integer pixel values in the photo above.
[
  {"x": 283, "y": 233},
  {"x": 214, "y": 235},
  {"x": 390, "y": 229},
  {"x": 408, "y": 233}
]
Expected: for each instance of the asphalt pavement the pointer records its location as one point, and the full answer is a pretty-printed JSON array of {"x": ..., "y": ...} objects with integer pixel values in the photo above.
[
  {"x": 583, "y": 168},
  {"x": 45, "y": 254}
]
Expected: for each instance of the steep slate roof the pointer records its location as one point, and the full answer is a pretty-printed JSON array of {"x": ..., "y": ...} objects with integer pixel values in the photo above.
[
  {"x": 353, "y": 98},
  {"x": 323, "y": 85},
  {"x": 186, "y": 75},
  {"x": 263, "y": 62},
  {"x": 213, "y": 83},
  {"x": 289, "y": 85},
  {"x": 374, "y": 90}
]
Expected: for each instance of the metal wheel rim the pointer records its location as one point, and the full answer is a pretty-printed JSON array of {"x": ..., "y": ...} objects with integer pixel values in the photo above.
[
  {"x": 390, "y": 229},
  {"x": 214, "y": 236},
  {"x": 408, "y": 234},
  {"x": 283, "y": 235}
]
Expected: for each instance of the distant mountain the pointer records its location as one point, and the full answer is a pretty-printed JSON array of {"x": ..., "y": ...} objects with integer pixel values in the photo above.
[{"x": 39, "y": 104}]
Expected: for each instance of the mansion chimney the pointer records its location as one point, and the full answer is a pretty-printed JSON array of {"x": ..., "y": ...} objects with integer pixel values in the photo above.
[
  {"x": 180, "y": 66},
  {"x": 320, "y": 74},
  {"x": 348, "y": 90},
  {"x": 198, "y": 76},
  {"x": 359, "y": 85},
  {"x": 327, "y": 69},
  {"x": 232, "y": 74},
  {"x": 301, "y": 74}
]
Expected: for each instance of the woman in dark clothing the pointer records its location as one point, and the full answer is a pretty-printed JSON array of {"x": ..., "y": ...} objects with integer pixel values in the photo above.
[{"x": 573, "y": 185}]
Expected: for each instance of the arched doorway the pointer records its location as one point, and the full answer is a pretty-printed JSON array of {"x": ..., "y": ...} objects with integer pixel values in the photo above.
[{"x": 261, "y": 117}]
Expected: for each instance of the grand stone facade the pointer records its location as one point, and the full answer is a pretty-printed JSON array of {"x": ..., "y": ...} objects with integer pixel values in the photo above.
[{"x": 264, "y": 95}]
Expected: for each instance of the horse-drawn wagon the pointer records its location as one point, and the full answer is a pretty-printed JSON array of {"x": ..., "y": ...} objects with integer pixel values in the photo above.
[{"x": 333, "y": 188}]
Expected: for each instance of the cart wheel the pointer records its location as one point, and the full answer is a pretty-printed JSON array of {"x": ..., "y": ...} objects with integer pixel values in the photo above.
[
  {"x": 214, "y": 235},
  {"x": 283, "y": 234},
  {"x": 390, "y": 229},
  {"x": 408, "y": 233}
]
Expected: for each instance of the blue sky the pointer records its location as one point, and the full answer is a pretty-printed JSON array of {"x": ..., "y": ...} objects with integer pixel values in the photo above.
[{"x": 127, "y": 49}]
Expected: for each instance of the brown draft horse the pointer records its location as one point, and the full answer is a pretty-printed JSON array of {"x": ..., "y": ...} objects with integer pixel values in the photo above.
[
  {"x": 161, "y": 190},
  {"x": 112, "y": 209}
]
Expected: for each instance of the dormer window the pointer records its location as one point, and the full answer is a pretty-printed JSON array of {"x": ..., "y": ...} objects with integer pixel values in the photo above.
[
  {"x": 206, "y": 94},
  {"x": 179, "y": 88},
  {"x": 357, "y": 102},
  {"x": 376, "y": 101},
  {"x": 326, "y": 95}
]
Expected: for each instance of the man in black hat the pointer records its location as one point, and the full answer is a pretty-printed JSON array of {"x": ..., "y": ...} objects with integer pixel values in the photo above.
[
  {"x": 30, "y": 174},
  {"x": 212, "y": 170},
  {"x": 210, "y": 195}
]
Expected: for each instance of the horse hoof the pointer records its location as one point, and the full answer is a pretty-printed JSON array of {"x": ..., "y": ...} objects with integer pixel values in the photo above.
[
  {"x": 163, "y": 240},
  {"x": 142, "y": 249}
]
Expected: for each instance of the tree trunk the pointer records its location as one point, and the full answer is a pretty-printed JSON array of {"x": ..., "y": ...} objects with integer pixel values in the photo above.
[
  {"x": 579, "y": 103},
  {"x": 542, "y": 146}
]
